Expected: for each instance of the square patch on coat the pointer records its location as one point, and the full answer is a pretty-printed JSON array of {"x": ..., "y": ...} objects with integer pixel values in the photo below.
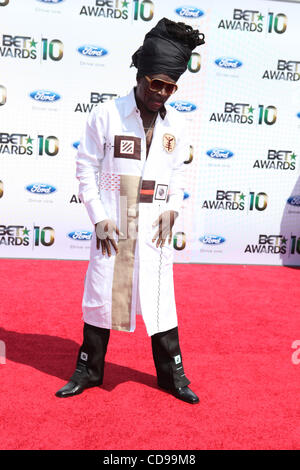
[
  {"x": 177, "y": 359},
  {"x": 147, "y": 191},
  {"x": 127, "y": 147},
  {"x": 161, "y": 192},
  {"x": 83, "y": 356}
]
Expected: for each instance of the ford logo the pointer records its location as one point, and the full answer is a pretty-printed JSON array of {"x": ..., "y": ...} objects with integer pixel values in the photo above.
[
  {"x": 80, "y": 235},
  {"x": 76, "y": 144},
  {"x": 183, "y": 106},
  {"x": 189, "y": 12},
  {"x": 294, "y": 200},
  {"x": 228, "y": 63},
  {"x": 44, "y": 96},
  {"x": 50, "y": 1},
  {"x": 219, "y": 153},
  {"x": 40, "y": 188},
  {"x": 92, "y": 51},
  {"x": 212, "y": 239}
]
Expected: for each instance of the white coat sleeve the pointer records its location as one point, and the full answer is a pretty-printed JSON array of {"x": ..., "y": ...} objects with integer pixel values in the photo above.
[
  {"x": 88, "y": 162},
  {"x": 177, "y": 181}
]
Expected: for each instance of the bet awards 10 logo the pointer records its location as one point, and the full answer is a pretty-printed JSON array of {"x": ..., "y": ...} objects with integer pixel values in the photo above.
[
  {"x": 194, "y": 64},
  {"x": 24, "y": 144},
  {"x": 237, "y": 200},
  {"x": 190, "y": 155},
  {"x": 3, "y": 95},
  {"x": 275, "y": 244},
  {"x": 20, "y": 235},
  {"x": 243, "y": 113},
  {"x": 254, "y": 21},
  {"x": 25, "y": 47},
  {"x": 277, "y": 160},
  {"x": 119, "y": 9},
  {"x": 179, "y": 241},
  {"x": 95, "y": 99},
  {"x": 288, "y": 70},
  {"x": 75, "y": 199}
]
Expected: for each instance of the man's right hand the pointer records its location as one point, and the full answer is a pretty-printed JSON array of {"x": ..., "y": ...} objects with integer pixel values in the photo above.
[{"x": 104, "y": 236}]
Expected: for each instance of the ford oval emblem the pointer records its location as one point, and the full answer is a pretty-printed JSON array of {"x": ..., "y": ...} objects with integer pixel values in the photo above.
[
  {"x": 212, "y": 239},
  {"x": 189, "y": 12},
  {"x": 294, "y": 200},
  {"x": 50, "y": 1},
  {"x": 81, "y": 235},
  {"x": 92, "y": 51},
  {"x": 45, "y": 96},
  {"x": 40, "y": 188},
  {"x": 219, "y": 153},
  {"x": 183, "y": 106},
  {"x": 228, "y": 63}
]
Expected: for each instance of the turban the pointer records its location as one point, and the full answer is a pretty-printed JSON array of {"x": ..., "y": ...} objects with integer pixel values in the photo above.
[{"x": 167, "y": 49}]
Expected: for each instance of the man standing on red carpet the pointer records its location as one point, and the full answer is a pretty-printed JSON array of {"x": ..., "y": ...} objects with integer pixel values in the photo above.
[{"x": 130, "y": 166}]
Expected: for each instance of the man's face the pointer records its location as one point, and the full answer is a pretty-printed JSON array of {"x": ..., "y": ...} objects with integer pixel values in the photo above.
[{"x": 152, "y": 100}]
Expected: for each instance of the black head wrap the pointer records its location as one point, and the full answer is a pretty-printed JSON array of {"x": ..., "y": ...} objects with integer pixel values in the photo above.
[{"x": 167, "y": 49}]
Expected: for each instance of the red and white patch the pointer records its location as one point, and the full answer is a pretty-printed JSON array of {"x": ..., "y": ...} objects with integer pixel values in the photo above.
[
  {"x": 169, "y": 142},
  {"x": 110, "y": 182}
]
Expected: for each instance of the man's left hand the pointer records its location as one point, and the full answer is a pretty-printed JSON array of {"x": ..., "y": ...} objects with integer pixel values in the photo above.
[{"x": 165, "y": 224}]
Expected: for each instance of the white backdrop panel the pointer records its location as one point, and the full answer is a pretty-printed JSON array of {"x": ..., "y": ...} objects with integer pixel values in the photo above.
[{"x": 241, "y": 103}]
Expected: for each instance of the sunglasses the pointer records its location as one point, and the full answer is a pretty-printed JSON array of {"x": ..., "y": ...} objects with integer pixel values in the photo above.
[{"x": 155, "y": 84}]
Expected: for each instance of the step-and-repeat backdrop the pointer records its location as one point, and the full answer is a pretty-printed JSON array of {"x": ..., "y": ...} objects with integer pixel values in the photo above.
[{"x": 240, "y": 97}]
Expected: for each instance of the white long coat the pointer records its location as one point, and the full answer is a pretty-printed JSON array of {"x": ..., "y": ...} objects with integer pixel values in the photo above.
[{"x": 117, "y": 182}]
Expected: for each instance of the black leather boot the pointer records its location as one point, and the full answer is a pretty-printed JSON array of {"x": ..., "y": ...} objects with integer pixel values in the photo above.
[
  {"x": 169, "y": 368},
  {"x": 90, "y": 362}
]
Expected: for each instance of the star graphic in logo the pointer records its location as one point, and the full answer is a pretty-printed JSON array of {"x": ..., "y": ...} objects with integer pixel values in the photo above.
[
  {"x": 125, "y": 4},
  {"x": 29, "y": 140},
  {"x": 242, "y": 197},
  {"x": 26, "y": 231},
  {"x": 293, "y": 156},
  {"x": 283, "y": 241},
  {"x": 33, "y": 43},
  {"x": 250, "y": 110},
  {"x": 260, "y": 17}
]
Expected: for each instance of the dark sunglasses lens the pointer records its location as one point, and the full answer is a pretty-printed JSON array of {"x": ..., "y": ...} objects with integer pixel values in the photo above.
[
  {"x": 170, "y": 89},
  {"x": 157, "y": 85}
]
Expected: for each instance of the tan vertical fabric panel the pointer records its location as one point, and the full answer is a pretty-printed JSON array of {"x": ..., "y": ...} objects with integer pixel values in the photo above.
[{"x": 124, "y": 263}]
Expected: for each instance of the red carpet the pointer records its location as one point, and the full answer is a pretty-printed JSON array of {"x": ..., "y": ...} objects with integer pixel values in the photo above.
[{"x": 237, "y": 325}]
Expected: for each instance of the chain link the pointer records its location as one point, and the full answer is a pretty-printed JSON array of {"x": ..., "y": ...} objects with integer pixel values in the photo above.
[{"x": 158, "y": 290}]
